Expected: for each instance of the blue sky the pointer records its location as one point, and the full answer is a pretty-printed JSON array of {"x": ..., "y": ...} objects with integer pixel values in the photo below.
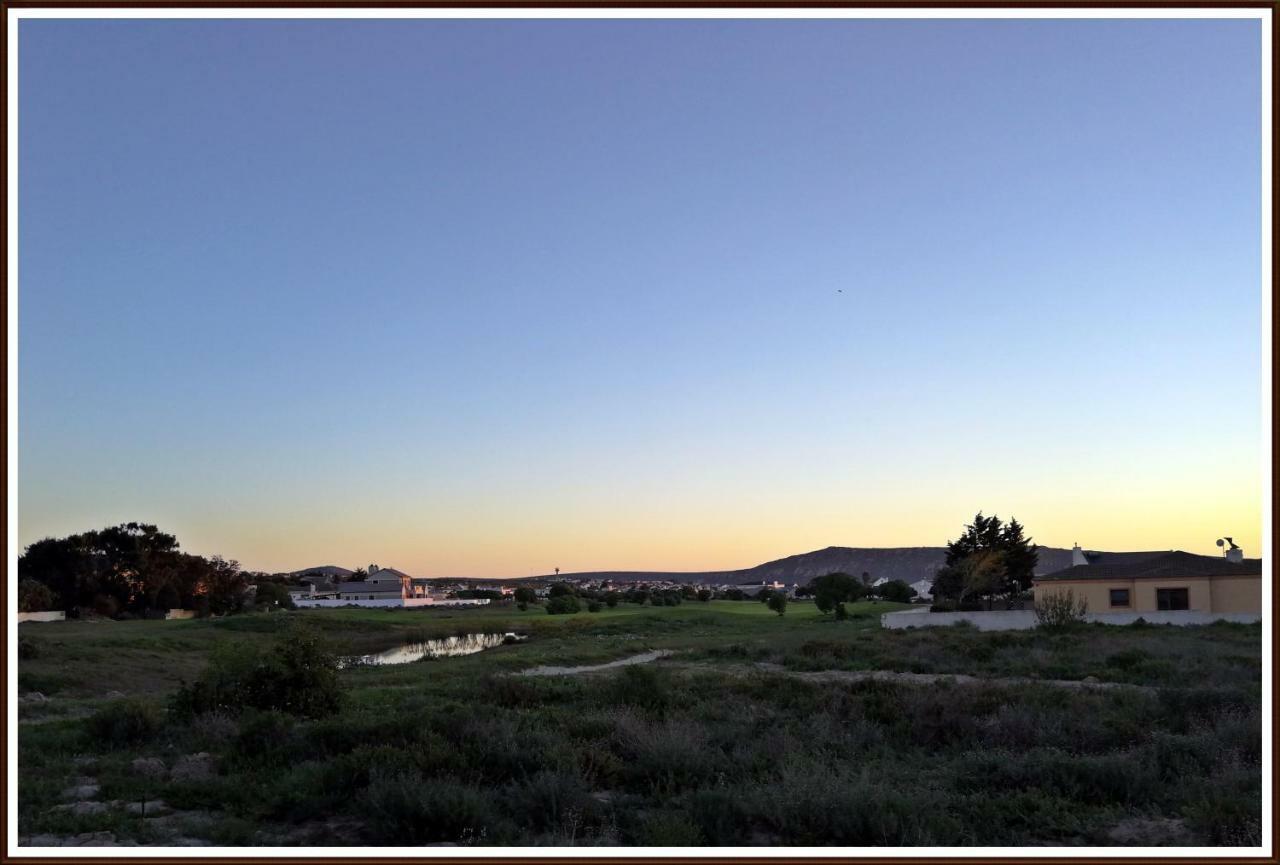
[{"x": 494, "y": 297}]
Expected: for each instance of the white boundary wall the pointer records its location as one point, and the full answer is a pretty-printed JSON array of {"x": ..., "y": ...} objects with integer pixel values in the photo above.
[
  {"x": 45, "y": 616},
  {"x": 1025, "y": 620},
  {"x": 391, "y": 602}
]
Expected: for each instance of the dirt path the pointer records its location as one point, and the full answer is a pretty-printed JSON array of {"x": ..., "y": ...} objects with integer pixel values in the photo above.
[
  {"x": 846, "y": 676},
  {"x": 645, "y": 658},
  {"x": 953, "y": 678}
]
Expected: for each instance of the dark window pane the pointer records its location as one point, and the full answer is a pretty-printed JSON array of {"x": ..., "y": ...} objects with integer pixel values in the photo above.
[
  {"x": 1119, "y": 597},
  {"x": 1172, "y": 599}
]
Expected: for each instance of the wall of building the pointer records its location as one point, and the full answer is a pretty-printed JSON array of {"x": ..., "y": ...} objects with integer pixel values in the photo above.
[
  {"x": 180, "y": 614},
  {"x": 391, "y": 602},
  {"x": 1097, "y": 593},
  {"x": 1204, "y": 594},
  {"x": 1236, "y": 594},
  {"x": 1025, "y": 620},
  {"x": 43, "y": 616}
]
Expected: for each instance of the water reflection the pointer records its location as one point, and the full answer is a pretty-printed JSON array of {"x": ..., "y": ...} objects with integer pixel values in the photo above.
[{"x": 445, "y": 647}]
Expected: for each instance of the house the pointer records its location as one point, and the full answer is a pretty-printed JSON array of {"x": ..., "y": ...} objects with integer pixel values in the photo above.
[
  {"x": 314, "y": 587},
  {"x": 1159, "y": 580},
  {"x": 380, "y": 584}
]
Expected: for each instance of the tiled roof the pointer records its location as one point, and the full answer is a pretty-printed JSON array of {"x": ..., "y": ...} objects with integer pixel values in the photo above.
[{"x": 1173, "y": 563}]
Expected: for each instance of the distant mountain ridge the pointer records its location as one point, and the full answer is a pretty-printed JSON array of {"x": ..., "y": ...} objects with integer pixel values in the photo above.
[{"x": 908, "y": 564}]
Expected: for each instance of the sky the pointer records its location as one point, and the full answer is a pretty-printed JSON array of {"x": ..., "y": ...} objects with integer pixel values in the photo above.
[{"x": 487, "y": 298}]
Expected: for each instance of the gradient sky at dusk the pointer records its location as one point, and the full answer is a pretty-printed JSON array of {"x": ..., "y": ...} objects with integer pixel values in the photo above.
[{"x": 488, "y": 298}]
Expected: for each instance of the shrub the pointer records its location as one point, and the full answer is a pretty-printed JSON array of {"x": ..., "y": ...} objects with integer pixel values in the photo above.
[
  {"x": 409, "y": 806},
  {"x": 296, "y": 674},
  {"x": 1127, "y": 659},
  {"x": 896, "y": 590},
  {"x": 271, "y": 595},
  {"x": 263, "y": 734},
  {"x": 593, "y": 606},
  {"x": 670, "y": 829},
  {"x": 841, "y": 612},
  {"x": 124, "y": 723},
  {"x": 778, "y": 602},
  {"x": 27, "y": 649},
  {"x": 563, "y": 604},
  {"x": 547, "y": 799},
  {"x": 34, "y": 596},
  {"x": 1057, "y": 610},
  {"x": 106, "y": 605},
  {"x": 611, "y": 599},
  {"x": 213, "y": 728},
  {"x": 642, "y": 685}
]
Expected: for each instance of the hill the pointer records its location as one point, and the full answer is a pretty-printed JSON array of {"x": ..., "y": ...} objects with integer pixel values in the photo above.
[
  {"x": 324, "y": 570},
  {"x": 895, "y": 563}
]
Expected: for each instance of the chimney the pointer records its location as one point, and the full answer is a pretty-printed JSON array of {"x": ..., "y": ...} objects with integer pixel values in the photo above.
[
  {"x": 1232, "y": 553},
  {"x": 1078, "y": 557}
]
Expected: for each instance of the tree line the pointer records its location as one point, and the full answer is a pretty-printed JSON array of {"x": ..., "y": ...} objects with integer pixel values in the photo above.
[{"x": 131, "y": 568}]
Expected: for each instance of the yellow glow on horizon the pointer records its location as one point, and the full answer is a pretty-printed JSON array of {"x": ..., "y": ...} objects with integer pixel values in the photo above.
[{"x": 684, "y": 539}]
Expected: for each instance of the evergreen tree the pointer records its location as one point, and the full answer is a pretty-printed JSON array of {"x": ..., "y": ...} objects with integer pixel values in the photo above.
[{"x": 989, "y": 559}]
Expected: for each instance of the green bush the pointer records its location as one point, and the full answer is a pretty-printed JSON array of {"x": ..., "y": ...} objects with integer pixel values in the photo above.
[
  {"x": 411, "y": 807},
  {"x": 1059, "y": 610},
  {"x": 272, "y": 596},
  {"x": 124, "y": 723},
  {"x": 669, "y": 829},
  {"x": 264, "y": 735},
  {"x": 563, "y": 604},
  {"x": 547, "y": 799},
  {"x": 593, "y": 606},
  {"x": 34, "y": 596},
  {"x": 295, "y": 674}
]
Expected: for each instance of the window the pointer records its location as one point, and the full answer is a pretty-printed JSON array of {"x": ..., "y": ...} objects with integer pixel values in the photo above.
[
  {"x": 1119, "y": 597},
  {"x": 1172, "y": 599}
]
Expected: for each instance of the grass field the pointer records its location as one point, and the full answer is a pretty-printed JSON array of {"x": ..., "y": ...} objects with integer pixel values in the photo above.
[{"x": 729, "y": 740}]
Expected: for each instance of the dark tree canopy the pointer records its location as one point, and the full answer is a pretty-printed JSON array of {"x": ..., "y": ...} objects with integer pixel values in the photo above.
[
  {"x": 832, "y": 589},
  {"x": 990, "y": 559},
  {"x": 897, "y": 591},
  {"x": 131, "y": 568}
]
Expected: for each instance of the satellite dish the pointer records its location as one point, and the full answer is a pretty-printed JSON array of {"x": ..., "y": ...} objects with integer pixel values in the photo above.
[{"x": 1219, "y": 541}]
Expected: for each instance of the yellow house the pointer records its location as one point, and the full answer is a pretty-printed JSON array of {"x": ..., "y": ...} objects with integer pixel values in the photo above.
[{"x": 1153, "y": 581}]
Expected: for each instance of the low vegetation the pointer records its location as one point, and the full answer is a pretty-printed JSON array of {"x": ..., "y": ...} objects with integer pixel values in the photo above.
[
  {"x": 728, "y": 741},
  {"x": 1058, "y": 610}
]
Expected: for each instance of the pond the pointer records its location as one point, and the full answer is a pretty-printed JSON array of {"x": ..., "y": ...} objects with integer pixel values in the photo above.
[{"x": 444, "y": 647}]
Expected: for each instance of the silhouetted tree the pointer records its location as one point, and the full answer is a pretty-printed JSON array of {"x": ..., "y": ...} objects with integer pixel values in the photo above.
[
  {"x": 524, "y": 596},
  {"x": 831, "y": 589},
  {"x": 989, "y": 559},
  {"x": 896, "y": 591}
]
